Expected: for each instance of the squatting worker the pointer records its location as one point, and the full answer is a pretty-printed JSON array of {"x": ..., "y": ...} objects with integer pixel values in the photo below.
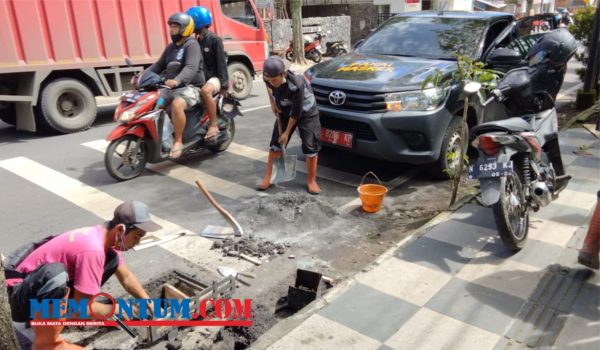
[
  {"x": 293, "y": 102},
  {"x": 75, "y": 265}
]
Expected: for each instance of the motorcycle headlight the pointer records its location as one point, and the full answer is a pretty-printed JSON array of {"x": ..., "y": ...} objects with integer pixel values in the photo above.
[
  {"x": 421, "y": 100},
  {"x": 126, "y": 116}
]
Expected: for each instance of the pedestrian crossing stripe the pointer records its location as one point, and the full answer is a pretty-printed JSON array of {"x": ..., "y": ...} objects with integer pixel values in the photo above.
[
  {"x": 191, "y": 247},
  {"x": 189, "y": 176}
]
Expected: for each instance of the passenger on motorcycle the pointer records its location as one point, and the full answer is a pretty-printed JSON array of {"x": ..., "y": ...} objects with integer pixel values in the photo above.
[
  {"x": 181, "y": 94},
  {"x": 215, "y": 64}
]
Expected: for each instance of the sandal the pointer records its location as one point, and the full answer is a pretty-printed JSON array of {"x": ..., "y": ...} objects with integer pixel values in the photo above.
[
  {"x": 176, "y": 152},
  {"x": 211, "y": 135}
]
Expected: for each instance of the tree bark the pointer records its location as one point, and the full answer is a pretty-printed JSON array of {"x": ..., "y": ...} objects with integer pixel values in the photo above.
[
  {"x": 464, "y": 127},
  {"x": 296, "y": 8},
  {"x": 8, "y": 339}
]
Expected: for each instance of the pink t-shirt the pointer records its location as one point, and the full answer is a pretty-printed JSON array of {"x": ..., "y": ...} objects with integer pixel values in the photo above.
[{"x": 82, "y": 253}]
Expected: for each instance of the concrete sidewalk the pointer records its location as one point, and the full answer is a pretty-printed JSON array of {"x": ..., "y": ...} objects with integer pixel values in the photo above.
[{"x": 458, "y": 287}]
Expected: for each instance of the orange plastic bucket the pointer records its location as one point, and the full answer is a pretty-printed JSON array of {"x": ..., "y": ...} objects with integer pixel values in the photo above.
[{"x": 371, "y": 195}]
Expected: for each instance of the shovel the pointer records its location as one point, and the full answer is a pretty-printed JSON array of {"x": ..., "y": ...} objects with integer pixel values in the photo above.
[
  {"x": 284, "y": 167},
  {"x": 230, "y": 272}
]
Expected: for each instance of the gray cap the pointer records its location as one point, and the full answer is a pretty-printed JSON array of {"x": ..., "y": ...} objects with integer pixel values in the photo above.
[
  {"x": 135, "y": 213},
  {"x": 273, "y": 66}
]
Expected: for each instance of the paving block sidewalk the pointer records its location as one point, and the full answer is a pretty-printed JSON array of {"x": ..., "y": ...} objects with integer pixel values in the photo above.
[{"x": 458, "y": 287}]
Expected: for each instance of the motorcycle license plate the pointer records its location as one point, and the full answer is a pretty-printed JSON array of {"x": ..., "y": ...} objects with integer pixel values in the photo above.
[{"x": 490, "y": 168}]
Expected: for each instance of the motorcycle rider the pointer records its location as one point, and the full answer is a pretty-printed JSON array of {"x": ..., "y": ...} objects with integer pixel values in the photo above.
[
  {"x": 76, "y": 264},
  {"x": 180, "y": 96},
  {"x": 293, "y": 102},
  {"x": 215, "y": 64}
]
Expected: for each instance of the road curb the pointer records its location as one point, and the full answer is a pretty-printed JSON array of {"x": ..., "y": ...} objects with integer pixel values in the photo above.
[
  {"x": 581, "y": 117},
  {"x": 284, "y": 327}
]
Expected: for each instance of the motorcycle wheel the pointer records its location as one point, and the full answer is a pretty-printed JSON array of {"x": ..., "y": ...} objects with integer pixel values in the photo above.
[
  {"x": 316, "y": 56},
  {"x": 341, "y": 52},
  {"x": 511, "y": 212},
  {"x": 126, "y": 157},
  {"x": 289, "y": 55},
  {"x": 222, "y": 146}
]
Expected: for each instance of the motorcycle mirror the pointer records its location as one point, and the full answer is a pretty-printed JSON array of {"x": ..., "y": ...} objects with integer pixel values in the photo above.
[
  {"x": 472, "y": 87},
  {"x": 129, "y": 62}
]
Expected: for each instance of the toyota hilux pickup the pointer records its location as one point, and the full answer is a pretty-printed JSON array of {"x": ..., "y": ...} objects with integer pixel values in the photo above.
[{"x": 372, "y": 103}]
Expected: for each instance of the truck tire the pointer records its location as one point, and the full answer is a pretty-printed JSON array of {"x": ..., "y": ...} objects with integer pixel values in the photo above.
[
  {"x": 66, "y": 106},
  {"x": 9, "y": 114},
  {"x": 450, "y": 146},
  {"x": 241, "y": 80}
]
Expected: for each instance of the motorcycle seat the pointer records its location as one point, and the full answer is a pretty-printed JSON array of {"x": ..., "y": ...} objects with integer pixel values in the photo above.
[{"x": 509, "y": 125}]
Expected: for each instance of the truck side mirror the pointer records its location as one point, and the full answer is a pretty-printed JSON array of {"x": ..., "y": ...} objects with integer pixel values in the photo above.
[{"x": 504, "y": 56}]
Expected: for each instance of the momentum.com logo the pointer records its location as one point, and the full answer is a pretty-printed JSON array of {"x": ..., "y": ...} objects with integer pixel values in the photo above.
[{"x": 166, "y": 312}]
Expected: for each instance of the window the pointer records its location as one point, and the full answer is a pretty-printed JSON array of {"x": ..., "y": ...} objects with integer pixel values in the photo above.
[
  {"x": 239, "y": 10},
  {"x": 493, "y": 33},
  {"x": 429, "y": 37}
]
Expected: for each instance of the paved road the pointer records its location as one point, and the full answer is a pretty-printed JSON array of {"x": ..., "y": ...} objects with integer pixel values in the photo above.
[{"x": 51, "y": 184}]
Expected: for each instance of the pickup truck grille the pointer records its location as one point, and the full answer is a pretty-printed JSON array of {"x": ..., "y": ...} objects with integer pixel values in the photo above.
[
  {"x": 360, "y": 130},
  {"x": 355, "y": 100}
]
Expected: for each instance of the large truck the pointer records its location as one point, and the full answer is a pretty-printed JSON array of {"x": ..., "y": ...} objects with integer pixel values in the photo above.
[{"x": 56, "y": 56}]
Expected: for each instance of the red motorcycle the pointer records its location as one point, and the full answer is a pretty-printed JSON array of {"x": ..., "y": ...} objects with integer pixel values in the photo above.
[
  {"x": 145, "y": 135},
  {"x": 312, "y": 49}
]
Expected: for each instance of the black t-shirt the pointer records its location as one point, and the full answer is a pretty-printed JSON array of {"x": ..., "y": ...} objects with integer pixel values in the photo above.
[{"x": 295, "y": 97}]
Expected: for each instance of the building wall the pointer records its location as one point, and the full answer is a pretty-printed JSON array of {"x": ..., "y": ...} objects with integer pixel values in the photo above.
[
  {"x": 363, "y": 16},
  {"x": 400, "y": 6},
  {"x": 280, "y": 30}
]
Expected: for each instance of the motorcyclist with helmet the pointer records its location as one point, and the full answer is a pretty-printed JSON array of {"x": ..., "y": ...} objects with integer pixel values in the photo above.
[
  {"x": 181, "y": 94},
  {"x": 215, "y": 64}
]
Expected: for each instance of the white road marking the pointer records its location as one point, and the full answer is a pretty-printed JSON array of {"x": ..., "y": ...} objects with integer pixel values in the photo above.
[
  {"x": 192, "y": 246},
  {"x": 323, "y": 172},
  {"x": 189, "y": 175},
  {"x": 255, "y": 108}
]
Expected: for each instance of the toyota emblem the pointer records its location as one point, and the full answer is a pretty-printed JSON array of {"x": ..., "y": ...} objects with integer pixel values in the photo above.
[{"x": 337, "y": 97}]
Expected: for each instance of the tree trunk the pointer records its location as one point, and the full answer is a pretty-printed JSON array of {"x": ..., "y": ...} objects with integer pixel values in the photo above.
[
  {"x": 296, "y": 7},
  {"x": 8, "y": 340},
  {"x": 464, "y": 128}
]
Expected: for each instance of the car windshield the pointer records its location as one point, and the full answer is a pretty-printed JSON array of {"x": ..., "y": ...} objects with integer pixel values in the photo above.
[{"x": 430, "y": 37}]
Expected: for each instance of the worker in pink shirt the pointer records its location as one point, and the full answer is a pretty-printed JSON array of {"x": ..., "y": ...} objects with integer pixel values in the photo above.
[{"x": 76, "y": 264}]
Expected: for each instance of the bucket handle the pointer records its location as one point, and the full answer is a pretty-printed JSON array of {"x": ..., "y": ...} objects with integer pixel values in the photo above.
[{"x": 372, "y": 173}]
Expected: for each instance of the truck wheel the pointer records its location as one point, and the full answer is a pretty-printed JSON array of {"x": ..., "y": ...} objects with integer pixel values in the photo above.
[
  {"x": 449, "y": 158},
  {"x": 241, "y": 80},
  {"x": 66, "y": 106},
  {"x": 9, "y": 114}
]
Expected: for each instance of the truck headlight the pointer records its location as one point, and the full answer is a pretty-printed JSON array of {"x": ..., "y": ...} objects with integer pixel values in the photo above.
[{"x": 421, "y": 100}]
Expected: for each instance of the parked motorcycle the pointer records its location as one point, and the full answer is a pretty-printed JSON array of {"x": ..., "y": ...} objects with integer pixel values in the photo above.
[
  {"x": 143, "y": 134},
  {"x": 334, "y": 48},
  {"x": 312, "y": 49},
  {"x": 519, "y": 166}
]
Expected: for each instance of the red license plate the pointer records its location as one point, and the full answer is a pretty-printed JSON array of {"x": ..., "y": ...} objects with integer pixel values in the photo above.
[{"x": 335, "y": 137}]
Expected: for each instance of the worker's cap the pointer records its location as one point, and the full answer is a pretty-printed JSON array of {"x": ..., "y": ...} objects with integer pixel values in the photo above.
[
  {"x": 273, "y": 66},
  {"x": 135, "y": 213}
]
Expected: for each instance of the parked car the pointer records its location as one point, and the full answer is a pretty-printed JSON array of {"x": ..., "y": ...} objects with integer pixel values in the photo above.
[
  {"x": 58, "y": 55},
  {"x": 371, "y": 102}
]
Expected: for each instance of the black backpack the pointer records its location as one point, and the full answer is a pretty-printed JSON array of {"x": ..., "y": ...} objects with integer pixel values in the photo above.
[{"x": 16, "y": 257}]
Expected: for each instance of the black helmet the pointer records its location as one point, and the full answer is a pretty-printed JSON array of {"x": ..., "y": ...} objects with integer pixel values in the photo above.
[
  {"x": 186, "y": 25},
  {"x": 554, "y": 49}
]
